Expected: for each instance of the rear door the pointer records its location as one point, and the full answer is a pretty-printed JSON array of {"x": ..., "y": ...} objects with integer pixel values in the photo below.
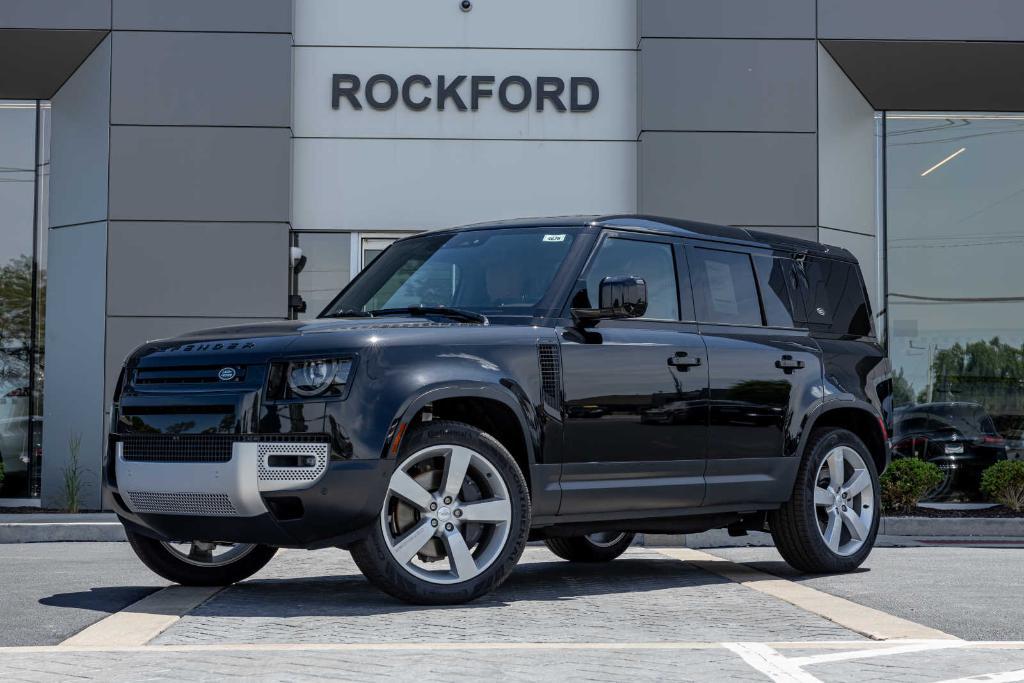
[
  {"x": 635, "y": 390},
  {"x": 764, "y": 372}
]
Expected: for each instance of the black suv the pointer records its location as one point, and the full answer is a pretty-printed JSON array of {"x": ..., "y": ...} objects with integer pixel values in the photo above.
[{"x": 572, "y": 380}]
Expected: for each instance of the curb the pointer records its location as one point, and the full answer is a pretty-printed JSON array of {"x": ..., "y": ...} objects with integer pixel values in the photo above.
[
  {"x": 53, "y": 528},
  {"x": 895, "y": 528},
  {"x": 104, "y": 527}
]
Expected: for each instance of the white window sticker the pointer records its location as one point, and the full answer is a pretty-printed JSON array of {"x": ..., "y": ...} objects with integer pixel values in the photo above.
[
  {"x": 723, "y": 294},
  {"x": 554, "y": 238}
]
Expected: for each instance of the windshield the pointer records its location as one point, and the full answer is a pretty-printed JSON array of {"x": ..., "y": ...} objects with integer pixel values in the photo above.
[{"x": 493, "y": 272}]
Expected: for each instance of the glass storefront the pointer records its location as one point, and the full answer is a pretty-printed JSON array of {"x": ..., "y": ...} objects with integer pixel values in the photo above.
[
  {"x": 955, "y": 290},
  {"x": 23, "y": 199}
]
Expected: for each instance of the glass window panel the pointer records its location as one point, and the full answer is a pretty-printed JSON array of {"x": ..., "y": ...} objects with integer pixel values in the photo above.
[
  {"x": 725, "y": 289},
  {"x": 17, "y": 273},
  {"x": 652, "y": 261},
  {"x": 955, "y": 300},
  {"x": 772, "y": 273}
]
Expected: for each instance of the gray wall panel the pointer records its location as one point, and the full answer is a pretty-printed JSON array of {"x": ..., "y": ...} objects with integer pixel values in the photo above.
[
  {"x": 803, "y": 232},
  {"x": 727, "y": 18},
  {"x": 204, "y": 15},
  {"x": 732, "y": 178},
  {"x": 78, "y": 143},
  {"x": 922, "y": 19},
  {"x": 201, "y": 79},
  {"x": 92, "y": 14},
  {"x": 198, "y": 269},
  {"x": 739, "y": 85},
  {"x": 74, "y": 401},
  {"x": 213, "y": 174}
]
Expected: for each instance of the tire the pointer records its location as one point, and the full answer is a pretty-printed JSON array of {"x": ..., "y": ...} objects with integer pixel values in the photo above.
[
  {"x": 430, "y": 576},
  {"x": 801, "y": 525},
  {"x": 590, "y": 549},
  {"x": 172, "y": 565}
]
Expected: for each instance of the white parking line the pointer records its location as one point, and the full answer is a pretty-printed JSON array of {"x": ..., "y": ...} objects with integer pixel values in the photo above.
[
  {"x": 879, "y": 652},
  {"x": 769, "y": 662},
  {"x": 1005, "y": 677},
  {"x": 140, "y": 622},
  {"x": 870, "y": 622}
]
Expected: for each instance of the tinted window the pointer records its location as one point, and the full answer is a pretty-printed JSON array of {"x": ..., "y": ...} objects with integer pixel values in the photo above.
[
  {"x": 652, "y": 261},
  {"x": 773, "y": 278},
  {"x": 725, "y": 289},
  {"x": 834, "y": 297}
]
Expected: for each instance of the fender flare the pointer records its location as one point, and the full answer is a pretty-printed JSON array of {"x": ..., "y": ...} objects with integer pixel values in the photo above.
[
  {"x": 464, "y": 389},
  {"x": 838, "y": 404}
]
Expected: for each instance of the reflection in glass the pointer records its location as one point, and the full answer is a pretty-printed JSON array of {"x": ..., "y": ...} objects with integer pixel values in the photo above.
[
  {"x": 20, "y": 373},
  {"x": 955, "y": 249},
  {"x": 323, "y": 270}
]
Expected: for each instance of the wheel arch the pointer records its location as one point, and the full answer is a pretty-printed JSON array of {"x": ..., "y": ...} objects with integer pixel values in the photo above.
[
  {"x": 497, "y": 410},
  {"x": 859, "y": 418}
]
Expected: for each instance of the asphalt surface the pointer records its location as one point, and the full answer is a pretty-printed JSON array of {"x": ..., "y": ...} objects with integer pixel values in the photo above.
[
  {"x": 972, "y": 593},
  {"x": 50, "y": 591}
]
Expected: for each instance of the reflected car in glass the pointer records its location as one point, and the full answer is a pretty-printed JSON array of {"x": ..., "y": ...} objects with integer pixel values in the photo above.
[
  {"x": 959, "y": 437},
  {"x": 572, "y": 380}
]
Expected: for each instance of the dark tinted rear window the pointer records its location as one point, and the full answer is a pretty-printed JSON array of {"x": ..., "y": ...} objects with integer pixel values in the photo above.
[{"x": 834, "y": 299}]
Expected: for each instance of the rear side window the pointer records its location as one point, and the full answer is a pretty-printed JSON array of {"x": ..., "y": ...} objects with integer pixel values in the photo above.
[
  {"x": 773, "y": 276},
  {"x": 724, "y": 288},
  {"x": 834, "y": 297}
]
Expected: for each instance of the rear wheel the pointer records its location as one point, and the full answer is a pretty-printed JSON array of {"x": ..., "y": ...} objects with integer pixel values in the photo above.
[
  {"x": 201, "y": 563},
  {"x": 830, "y": 522},
  {"x": 454, "y": 521},
  {"x": 598, "y": 547}
]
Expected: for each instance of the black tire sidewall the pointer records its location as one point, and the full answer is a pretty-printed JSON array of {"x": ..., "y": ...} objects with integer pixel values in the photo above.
[
  {"x": 800, "y": 519},
  {"x": 582, "y": 549},
  {"x": 164, "y": 563},
  {"x": 376, "y": 562}
]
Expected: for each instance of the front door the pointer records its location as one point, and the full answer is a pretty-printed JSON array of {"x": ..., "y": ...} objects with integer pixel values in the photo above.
[
  {"x": 635, "y": 390},
  {"x": 763, "y": 373}
]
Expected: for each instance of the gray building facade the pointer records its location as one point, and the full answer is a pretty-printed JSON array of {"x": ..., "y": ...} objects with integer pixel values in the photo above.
[{"x": 194, "y": 165}]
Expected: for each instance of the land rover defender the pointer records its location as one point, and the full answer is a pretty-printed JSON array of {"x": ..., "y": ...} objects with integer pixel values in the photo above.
[{"x": 574, "y": 381}]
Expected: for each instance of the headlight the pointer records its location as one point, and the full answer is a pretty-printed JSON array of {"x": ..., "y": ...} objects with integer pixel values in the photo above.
[{"x": 315, "y": 377}]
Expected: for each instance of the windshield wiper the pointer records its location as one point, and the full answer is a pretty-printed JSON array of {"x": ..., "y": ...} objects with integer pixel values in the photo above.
[
  {"x": 447, "y": 311},
  {"x": 349, "y": 314}
]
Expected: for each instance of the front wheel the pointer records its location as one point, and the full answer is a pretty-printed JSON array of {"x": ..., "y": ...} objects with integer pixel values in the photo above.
[
  {"x": 200, "y": 563},
  {"x": 830, "y": 522},
  {"x": 597, "y": 547},
  {"x": 454, "y": 520}
]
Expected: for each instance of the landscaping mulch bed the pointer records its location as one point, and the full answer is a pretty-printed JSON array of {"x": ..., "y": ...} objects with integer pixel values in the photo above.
[{"x": 995, "y": 512}]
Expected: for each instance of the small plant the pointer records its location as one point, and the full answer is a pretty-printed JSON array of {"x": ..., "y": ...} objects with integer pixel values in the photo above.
[
  {"x": 73, "y": 475},
  {"x": 1004, "y": 483},
  {"x": 1, "y": 473},
  {"x": 906, "y": 481}
]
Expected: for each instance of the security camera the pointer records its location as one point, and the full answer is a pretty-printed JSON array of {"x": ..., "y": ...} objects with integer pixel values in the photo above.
[{"x": 466, "y": 5}]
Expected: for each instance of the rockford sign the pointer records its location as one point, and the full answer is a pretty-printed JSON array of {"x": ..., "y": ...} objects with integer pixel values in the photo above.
[{"x": 417, "y": 92}]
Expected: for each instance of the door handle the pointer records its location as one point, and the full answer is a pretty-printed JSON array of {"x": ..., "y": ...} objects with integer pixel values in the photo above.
[
  {"x": 788, "y": 365},
  {"x": 682, "y": 362}
]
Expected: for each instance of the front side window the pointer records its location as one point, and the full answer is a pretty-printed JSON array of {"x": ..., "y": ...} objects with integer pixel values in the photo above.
[
  {"x": 652, "y": 261},
  {"x": 494, "y": 272},
  {"x": 726, "y": 292}
]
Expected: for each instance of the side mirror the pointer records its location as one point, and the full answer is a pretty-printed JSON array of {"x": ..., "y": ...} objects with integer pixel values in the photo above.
[{"x": 619, "y": 296}]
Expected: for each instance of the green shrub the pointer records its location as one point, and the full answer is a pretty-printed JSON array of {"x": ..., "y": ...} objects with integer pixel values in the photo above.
[
  {"x": 906, "y": 481},
  {"x": 1, "y": 473},
  {"x": 1004, "y": 483}
]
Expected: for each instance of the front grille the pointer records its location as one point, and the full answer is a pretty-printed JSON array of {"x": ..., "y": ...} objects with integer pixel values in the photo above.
[
  {"x": 550, "y": 375},
  {"x": 188, "y": 374},
  {"x": 199, "y": 447},
  {"x": 177, "y": 447},
  {"x": 184, "y": 503}
]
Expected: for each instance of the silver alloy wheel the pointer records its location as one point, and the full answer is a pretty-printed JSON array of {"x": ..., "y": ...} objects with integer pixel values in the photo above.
[
  {"x": 208, "y": 554},
  {"x": 844, "y": 501},
  {"x": 605, "y": 539},
  {"x": 446, "y": 502}
]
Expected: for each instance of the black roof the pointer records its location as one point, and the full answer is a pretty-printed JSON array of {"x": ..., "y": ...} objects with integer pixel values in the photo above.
[{"x": 675, "y": 226}]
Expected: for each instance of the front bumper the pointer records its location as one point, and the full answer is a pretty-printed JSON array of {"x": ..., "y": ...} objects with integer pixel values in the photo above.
[{"x": 251, "y": 498}]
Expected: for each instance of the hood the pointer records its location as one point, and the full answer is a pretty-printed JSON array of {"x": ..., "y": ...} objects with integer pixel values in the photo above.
[{"x": 259, "y": 342}]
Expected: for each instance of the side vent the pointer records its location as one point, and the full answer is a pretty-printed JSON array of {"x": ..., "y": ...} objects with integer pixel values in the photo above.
[{"x": 550, "y": 375}]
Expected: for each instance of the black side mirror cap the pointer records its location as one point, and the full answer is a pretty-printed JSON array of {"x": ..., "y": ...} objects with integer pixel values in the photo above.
[{"x": 620, "y": 296}]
